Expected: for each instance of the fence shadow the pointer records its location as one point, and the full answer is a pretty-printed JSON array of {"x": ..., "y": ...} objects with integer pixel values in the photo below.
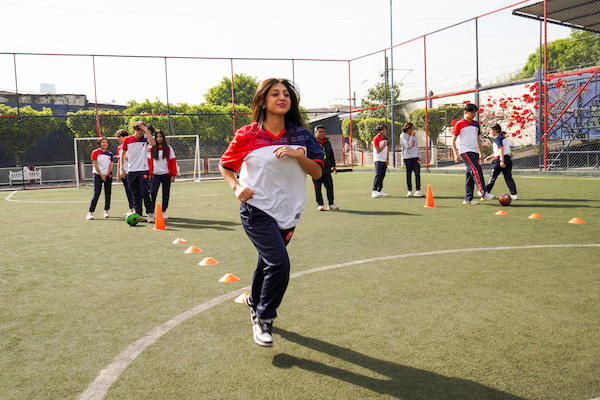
[{"x": 402, "y": 382}]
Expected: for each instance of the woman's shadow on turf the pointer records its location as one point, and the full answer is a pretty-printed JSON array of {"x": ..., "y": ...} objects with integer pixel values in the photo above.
[{"x": 402, "y": 382}]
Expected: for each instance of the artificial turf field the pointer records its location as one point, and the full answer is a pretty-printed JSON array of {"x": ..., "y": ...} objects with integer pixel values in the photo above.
[{"x": 389, "y": 299}]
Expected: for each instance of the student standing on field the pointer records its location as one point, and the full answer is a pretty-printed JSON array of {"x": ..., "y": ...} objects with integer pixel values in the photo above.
[
  {"x": 163, "y": 170},
  {"x": 381, "y": 159},
  {"x": 502, "y": 161},
  {"x": 412, "y": 158},
  {"x": 123, "y": 164},
  {"x": 273, "y": 155},
  {"x": 325, "y": 179},
  {"x": 467, "y": 131},
  {"x": 102, "y": 159},
  {"x": 135, "y": 150}
]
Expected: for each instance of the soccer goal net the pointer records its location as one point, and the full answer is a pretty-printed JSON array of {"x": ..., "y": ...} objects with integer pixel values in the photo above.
[{"x": 186, "y": 148}]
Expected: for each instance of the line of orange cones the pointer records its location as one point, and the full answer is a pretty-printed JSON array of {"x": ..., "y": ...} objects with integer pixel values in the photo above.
[
  {"x": 429, "y": 203},
  {"x": 159, "y": 225}
]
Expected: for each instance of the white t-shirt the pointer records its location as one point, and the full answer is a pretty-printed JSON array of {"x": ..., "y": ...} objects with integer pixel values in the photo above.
[
  {"x": 279, "y": 184},
  {"x": 468, "y": 136},
  {"x": 383, "y": 154},
  {"x": 103, "y": 158},
  {"x": 501, "y": 141},
  {"x": 137, "y": 153}
]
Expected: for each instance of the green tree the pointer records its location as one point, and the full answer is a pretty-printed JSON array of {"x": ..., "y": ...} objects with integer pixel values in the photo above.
[
  {"x": 174, "y": 123},
  {"x": 83, "y": 123},
  {"x": 215, "y": 123},
  {"x": 438, "y": 119},
  {"x": 363, "y": 130},
  {"x": 581, "y": 49},
  {"x": 380, "y": 95},
  {"x": 244, "y": 86},
  {"x": 363, "y": 126},
  {"x": 18, "y": 135}
]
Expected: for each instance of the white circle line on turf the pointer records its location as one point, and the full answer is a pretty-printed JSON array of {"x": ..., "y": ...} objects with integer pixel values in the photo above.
[{"x": 99, "y": 387}]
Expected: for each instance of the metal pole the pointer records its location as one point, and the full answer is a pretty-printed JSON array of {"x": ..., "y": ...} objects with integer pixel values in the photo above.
[
  {"x": 426, "y": 101},
  {"x": 351, "y": 147},
  {"x": 392, "y": 87},
  {"x": 477, "y": 84},
  {"x": 540, "y": 97},
  {"x": 545, "y": 85},
  {"x": 167, "y": 88},
  {"x": 98, "y": 132},
  {"x": 232, "y": 97},
  {"x": 21, "y": 153}
]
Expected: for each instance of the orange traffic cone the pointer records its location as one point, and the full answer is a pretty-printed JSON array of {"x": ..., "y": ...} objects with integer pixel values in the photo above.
[
  {"x": 193, "y": 249},
  {"x": 501, "y": 212},
  {"x": 159, "y": 221},
  {"x": 179, "y": 241},
  {"x": 429, "y": 199},
  {"x": 534, "y": 216},
  {"x": 241, "y": 299},
  {"x": 208, "y": 261},
  {"x": 228, "y": 278},
  {"x": 577, "y": 220}
]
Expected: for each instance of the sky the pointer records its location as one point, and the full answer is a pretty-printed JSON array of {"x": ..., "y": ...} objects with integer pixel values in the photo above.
[{"x": 246, "y": 30}]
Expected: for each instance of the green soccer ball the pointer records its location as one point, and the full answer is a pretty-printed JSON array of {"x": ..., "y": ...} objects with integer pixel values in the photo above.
[{"x": 132, "y": 219}]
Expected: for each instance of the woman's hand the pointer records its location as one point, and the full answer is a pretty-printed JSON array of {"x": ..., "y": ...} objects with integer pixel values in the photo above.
[
  {"x": 243, "y": 193},
  {"x": 285, "y": 151}
]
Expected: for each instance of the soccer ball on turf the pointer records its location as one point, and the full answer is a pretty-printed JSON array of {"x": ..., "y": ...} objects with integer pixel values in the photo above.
[
  {"x": 505, "y": 199},
  {"x": 132, "y": 219}
]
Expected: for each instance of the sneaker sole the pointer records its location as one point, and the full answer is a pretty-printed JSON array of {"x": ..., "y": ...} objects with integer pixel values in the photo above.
[{"x": 262, "y": 344}]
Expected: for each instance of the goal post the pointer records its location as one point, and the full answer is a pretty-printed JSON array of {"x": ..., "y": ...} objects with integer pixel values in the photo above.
[{"x": 186, "y": 148}]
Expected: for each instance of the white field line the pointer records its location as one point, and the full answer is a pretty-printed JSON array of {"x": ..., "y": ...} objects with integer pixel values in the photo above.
[
  {"x": 9, "y": 198},
  {"x": 99, "y": 387}
]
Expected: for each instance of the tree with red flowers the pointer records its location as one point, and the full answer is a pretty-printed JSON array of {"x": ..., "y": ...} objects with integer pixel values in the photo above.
[{"x": 514, "y": 113}]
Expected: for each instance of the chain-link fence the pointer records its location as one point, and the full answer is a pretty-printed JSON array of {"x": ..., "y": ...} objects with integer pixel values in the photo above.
[{"x": 552, "y": 117}]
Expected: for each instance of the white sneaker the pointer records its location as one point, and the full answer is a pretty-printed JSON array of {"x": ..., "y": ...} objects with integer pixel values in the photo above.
[
  {"x": 150, "y": 217},
  {"x": 262, "y": 332},
  {"x": 106, "y": 215},
  {"x": 165, "y": 216},
  {"x": 381, "y": 194},
  {"x": 419, "y": 194},
  {"x": 375, "y": 194},
  {"x": 514, "y": 197},
  {"x": 488, "y": 196},
  {"x": 320, "y": 208},
  {"x": 409, "y": 194},
  {"x": 333, "y": 207},
  {"x": 479, "y": 193},
  {"x": 89, "y": 216},
  {"x": 470, "y": 202}
]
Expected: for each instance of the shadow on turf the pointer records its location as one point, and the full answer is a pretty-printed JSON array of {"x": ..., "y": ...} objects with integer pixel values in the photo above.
[
  {"x": 372, "y": 212},
  {"x": 188, "y": 223},
  {"x": 403, "y": 382}
]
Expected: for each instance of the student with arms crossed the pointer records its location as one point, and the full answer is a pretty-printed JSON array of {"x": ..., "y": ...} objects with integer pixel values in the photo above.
[
  {"x": 163, "y": 170},
  {"x": 102, "y": 172},
  {"x": 381, "y": 159}
]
